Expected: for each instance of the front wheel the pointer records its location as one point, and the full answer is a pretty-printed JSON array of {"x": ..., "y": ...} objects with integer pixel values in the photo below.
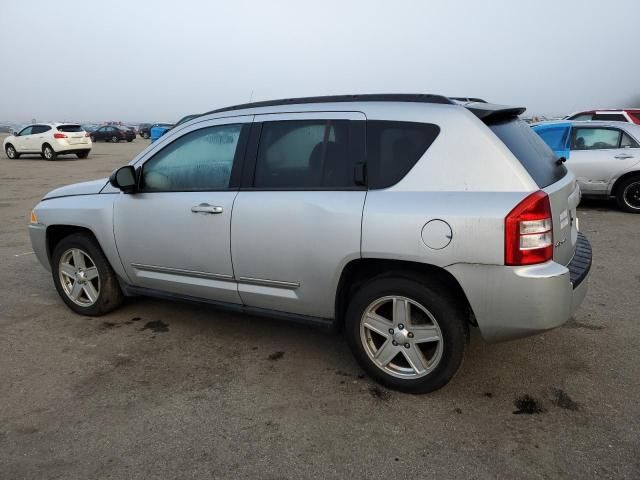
[
  {"x": 83, "y": 277},
  {"x": 115, "y": 139},
  {"x": 48, "y": 153},
  {"x": 11, "y": 152},
  {"x": 145, "y": 135},
  {"x": 407, "y": 332},
  {"x": 628, "y": 195}
]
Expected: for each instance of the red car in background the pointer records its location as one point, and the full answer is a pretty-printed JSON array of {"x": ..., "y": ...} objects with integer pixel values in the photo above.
[{"x": 631, "y": 115}]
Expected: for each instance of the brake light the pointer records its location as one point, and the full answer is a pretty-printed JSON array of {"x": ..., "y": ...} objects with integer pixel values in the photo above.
[
  {"x": 59, "y": 135},
  {"x": 528, "y": 231},
  {"x": 87, "y": 134}
]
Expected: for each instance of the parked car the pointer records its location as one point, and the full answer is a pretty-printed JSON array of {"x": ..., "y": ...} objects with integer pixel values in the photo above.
[
  {"x": 143, "y": 130},
  {"x": 604, "y": 156},
  {"x": 90, "y": 128},
  {"x": 631, "y": 115},
  {"x": 159, "y": 129},
  {"x": 405, "y": 218},
  {"x": 49, "y": 140},
  {"x": 112, "y": 133}
]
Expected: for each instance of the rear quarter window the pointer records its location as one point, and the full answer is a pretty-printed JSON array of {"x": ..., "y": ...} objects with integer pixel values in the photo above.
[
  {"x": 530, "y": 150},
  {"x": 393, "y": 148}
]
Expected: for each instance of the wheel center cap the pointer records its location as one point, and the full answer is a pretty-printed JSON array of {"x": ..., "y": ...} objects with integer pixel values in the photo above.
[{"x": 400, "y": 336}]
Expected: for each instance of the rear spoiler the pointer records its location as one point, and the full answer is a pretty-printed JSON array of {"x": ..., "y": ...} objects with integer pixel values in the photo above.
[{"x": 491, "y": 113}]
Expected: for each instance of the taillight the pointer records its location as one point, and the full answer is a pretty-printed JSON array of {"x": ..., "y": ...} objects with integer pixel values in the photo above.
[
  {"x": 87, "y": 134},
  {"x": 59, "y": 135},
  {"x": 528, "y": 231}
]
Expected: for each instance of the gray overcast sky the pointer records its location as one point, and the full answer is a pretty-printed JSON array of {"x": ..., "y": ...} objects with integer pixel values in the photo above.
[{"x": 159, "y": 60}]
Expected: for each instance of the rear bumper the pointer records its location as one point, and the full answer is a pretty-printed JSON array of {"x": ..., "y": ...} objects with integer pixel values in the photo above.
[
  {"x": 513, "y": 302},
  {"x": 61, "y": 146}
]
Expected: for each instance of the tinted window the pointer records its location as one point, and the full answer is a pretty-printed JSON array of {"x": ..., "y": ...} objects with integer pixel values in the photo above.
[
  {"x": 304, "y": 154},
  {"x": 582, "y": 117},
  {"x": 627, "y": 141},
  {"x": 199, "y": 160},
  {"x": 39, "y": 129},
  {"x": 595, "y": 138},
  {"x": 25, "y": 131},
  {"x": 70, "y": 128},
  {"x": 556, "y": 138},
  {"x": 534, "y": 155},
  {"x": 393, "y": 148},
  {"x": 612, "y": 117}
]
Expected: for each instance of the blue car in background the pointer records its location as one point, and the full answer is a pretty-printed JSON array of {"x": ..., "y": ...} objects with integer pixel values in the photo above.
[
  {"x": 556, "y": 135},
  {"x": 159, "y": 129}
]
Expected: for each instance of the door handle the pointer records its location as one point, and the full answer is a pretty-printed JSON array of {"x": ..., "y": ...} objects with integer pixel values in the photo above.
[
  {"x": 206, "y": 208},
  {"x": 623, "y": 156}
]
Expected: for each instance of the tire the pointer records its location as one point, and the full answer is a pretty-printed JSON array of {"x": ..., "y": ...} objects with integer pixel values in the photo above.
[
  {"x": 83, "y": 154},
  {"x": 145, "y": 135},
  {"x": 439, "y": 359},
  {"x": 115, "y": 139},
  {"x": 129, "y": 140},
  {"x": 628, "y": 194},
  {"x": 106, "y": 292},
  {"x": 48, "y": 153},
  {"x": 11, "y": 152}
]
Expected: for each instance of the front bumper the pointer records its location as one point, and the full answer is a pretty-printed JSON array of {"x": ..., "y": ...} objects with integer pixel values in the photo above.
[{"x": 513, "y": 302}]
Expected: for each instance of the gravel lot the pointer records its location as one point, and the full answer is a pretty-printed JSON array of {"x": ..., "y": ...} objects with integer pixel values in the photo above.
[{"x": 169, "y": 390}]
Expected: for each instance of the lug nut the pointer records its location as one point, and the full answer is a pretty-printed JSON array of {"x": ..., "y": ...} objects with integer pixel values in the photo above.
[
  {"x": 401, "y": 326},
  {"x": 394, "y": 343},
  {"x": 410, "y": 335},
  {"x": 391, "y": 331},
  {"x": 406, "y": 345}
]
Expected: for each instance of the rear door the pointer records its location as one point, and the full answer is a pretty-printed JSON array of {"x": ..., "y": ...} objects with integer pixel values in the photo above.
[
  {"x": 598, "y": 154},
  {"x": 297, "y": 219}
]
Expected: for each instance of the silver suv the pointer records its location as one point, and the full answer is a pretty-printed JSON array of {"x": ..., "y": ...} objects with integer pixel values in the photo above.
[{"x": 406, "y": 219}]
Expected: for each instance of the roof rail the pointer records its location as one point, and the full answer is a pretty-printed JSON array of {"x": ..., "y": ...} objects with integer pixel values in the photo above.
[{"x": 376, "y": 97}]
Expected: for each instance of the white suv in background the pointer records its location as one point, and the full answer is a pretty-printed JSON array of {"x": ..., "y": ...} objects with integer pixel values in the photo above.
[{"x": 49, "y": 140}]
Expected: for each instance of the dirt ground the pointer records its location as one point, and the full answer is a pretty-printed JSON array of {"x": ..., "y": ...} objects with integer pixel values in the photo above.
[{"x": 170, "y": 390}]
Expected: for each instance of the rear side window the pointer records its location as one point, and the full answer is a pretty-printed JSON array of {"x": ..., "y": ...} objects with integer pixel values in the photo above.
[
  {"x": 393, "y": 148},
  {"x": 70, "y": 128},
  {"x": 304, "y": 154},
  {"x": 530, "y": 150},
  {"x": 611, "y": 117},
  {"x": 627, "y": 141},
  {"x": 40, "y": 129}
]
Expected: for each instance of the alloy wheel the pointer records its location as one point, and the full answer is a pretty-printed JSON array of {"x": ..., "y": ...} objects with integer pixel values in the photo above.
[
  {"x": 401, "y": 337},
  {"x": 79, "y": 277},
  {"x": 48, "y": 153},
  {"x": 11, "y": 152},
  {"x": 631, "y": 195}
]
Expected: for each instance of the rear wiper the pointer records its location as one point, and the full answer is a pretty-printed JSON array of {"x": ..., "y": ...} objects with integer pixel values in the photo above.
[{"x": 561, "y": 160}]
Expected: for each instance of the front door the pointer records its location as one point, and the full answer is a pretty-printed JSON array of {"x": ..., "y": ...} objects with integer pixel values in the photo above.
[
  {"x": 174, "y": 235},
  {"x": 24, "y": 139},
  {"x": 598, "y": 154}
]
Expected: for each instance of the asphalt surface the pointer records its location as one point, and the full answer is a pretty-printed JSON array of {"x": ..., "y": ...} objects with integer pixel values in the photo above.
[{"x": 170, "y": 390}]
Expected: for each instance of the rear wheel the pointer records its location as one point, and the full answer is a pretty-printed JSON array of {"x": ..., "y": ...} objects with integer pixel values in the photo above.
[
  {"x": 628, "y": 195},
  {"x": 115, "y": 139},
  {"x": 11, "y": 152},
  {"x": 83, "y": 277},
  {"x": 48, "y": 153},
  {"x": 407, "y": 332},
  {"x": 83, "y": 154},
  {"x": 129, "y": 139},
  {"x": 145, "y": 135}
]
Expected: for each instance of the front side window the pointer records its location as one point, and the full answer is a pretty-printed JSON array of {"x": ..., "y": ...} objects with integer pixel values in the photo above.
[
  {"x": 199, "y": 160},
  {"x": 25, "y": 131},
  {"x": 393, "y": 148},
  {"x": 581, "y": 117},
  {"x": 595, "y": 138},
  {"x": 304, "y": 154}
]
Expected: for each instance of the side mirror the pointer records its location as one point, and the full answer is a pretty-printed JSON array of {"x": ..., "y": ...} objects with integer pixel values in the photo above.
[{"x": 124, "y": 179}]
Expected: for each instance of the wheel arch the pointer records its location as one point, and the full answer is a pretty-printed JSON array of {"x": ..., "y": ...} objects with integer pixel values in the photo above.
[
  {"x": 358, "y": 271},
  {"x": 55, "y": 233},
  {"x": 621, "y": 179}
]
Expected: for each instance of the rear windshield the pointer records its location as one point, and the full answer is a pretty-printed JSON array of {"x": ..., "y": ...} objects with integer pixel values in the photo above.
[
  {"x": 534, "y": 155},
  {"x": 69, "y": 128}
]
